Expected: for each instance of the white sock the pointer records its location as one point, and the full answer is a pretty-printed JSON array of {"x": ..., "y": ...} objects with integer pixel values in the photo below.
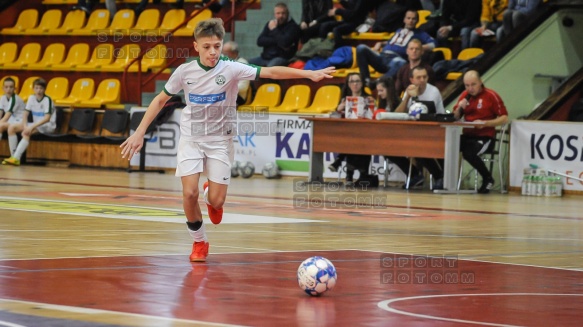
[
  {"x": 20, "y": 148},
  {"x": 198, "y": 235},
  {"x": 12, "y": 143}
]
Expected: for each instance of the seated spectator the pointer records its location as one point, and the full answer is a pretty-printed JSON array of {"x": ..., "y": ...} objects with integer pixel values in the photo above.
[
  {"x": 389, "y": 14},
  {"x": 353, "y": 87},
  {"x": 314, "y": 13},
  {"x": 12, "y": 108},
  {"x": 479, "y": 104},
  {"x": 458, "y": 18},
  {"x": 87, "y": 6},
  {"x": 420, "y": 90},
  {"x": 515, "y": 15},
  {"x": 231, "y": 50},
  {"x": 279, "y": 39},
  {"x": 491, "y": 20},
  {"x": 353, "y": 13},
  {"x": 393, "y": 54},
  {"x": 415, "y": 58},
  {"x": 44, "y": 118}
]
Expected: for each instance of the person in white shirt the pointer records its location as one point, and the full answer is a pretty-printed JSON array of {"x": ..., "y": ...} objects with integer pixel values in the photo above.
[
  {"x": 208, "y": 123},
  {"x": 44, "y": 120},
  {"x": 420, "y": 90},
  {"x": 12, "y": 107}
]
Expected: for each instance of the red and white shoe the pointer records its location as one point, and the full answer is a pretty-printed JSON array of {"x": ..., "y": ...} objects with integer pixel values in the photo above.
[
  {"x": 200, "y": 250},
  {"x": 216, "y": 215}
]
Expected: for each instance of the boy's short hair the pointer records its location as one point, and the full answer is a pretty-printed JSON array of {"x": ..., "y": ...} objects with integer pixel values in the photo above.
[
  {"x": 40, "y": 82},
  {"x": 10, "y": 79},
  {"x": 209, "y": 28}
]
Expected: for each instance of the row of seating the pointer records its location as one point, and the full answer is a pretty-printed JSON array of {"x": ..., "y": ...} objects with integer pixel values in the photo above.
[
  {"x": 74, "y": 2},
  {"x": 148, "y": 23},
  {"x": 82, "y": 93},
  {"x": 104, "y": 57},
  {"x": 297, "y": 99}
]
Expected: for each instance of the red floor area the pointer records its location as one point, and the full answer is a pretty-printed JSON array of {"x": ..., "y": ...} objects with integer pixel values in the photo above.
[{"x": 261, "y": 289}]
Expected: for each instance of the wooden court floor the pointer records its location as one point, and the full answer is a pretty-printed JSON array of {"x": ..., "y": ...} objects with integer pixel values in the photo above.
[{"x": 85, "y": 248}]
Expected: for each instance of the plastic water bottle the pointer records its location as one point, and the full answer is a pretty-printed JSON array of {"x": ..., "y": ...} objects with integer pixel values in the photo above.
[{"x": 525, "y": 184}]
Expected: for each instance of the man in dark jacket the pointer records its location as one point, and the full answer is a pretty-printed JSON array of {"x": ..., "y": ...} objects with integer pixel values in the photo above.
[
  {"x": 279, "y": 39},
  {"x": 353, "y": 13},
  {"x": 459, "y": 18}
]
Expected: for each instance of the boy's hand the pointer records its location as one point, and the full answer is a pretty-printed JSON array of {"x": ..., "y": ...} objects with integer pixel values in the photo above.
[
  {"x": 132, "y": 145},
  {"x": 319, "y": 75}
]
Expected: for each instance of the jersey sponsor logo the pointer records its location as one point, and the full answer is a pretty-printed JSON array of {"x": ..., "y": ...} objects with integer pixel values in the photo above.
[
  {"x": 206, "y": 98},
  {"x": 220, "y": 80}
]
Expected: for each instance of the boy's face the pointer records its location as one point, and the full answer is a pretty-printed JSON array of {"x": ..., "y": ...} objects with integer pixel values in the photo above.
[
  {"x": 209, "y": 50},
  {"x": 39, "y": 91},
  {"x": 8, "y": 88}
]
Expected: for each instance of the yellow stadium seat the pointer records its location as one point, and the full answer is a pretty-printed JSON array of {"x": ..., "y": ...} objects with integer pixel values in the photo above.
[
  {"x": 297, "y": 97},
  {"x": 465, "y": 54},
  {"x": 124, "y": 56},
  {"x": 446, "y": 52},
  {"x": 8, "y": 52},
  {"x": 54, "y": 54},
  {"x": 97, "y": 22},
  {"x": 188, "y": 30},
  {"x": 108, "y": 91},
  {"x": 15, "y": 78},
  {"x": 74, "y": 20},
  {"x": 27, "y": 19},
  {"x": 27, "y": 89},
  {"x": 268, "y": 95},
  {"x": 78, "y": 55},
  {"x": 103, "y": 54},
  {"x": 153, "y": 59},
  {"x": 51, "y": 19},
  {"x": 122, "y": 22},
  {"x": 82, "y": 90},
  {"x": 326, "y": 100},
  {"x": 423, "y": 14},
  {"x": 29, "y": 54},
  {"x": 57, "y": 88},
  {"x": 381, "y": 36},
  {"x": 148, "y": 20},
  {"x": 172, "y": 18}
]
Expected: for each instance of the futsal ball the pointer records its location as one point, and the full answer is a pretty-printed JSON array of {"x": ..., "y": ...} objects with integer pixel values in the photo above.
[
  {"x": 270, "y": 170},
  {"x": 317, "y": 275},
  {"x": 416, "y": 109},
  {"x": 246, "y": 169},
  {"x": 235, "y": 169}
]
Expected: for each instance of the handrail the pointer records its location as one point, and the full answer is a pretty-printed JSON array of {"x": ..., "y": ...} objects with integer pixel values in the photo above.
[
  {"x": 143, "y": 52},
  {"x": 231, "y": 18}
]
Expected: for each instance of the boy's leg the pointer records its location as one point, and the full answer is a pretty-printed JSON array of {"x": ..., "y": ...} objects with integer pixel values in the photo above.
[
  {"x": 196, "y": 229},
  {"x": 16, "y": 148}
]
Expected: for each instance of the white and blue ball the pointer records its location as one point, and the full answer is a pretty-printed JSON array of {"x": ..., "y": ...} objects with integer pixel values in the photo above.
[
  {"x": 235, "y": 169},
  {"x": 270, "y": 170},
  {"x": 416, "y": 109},
  {"x": 247, "y": 169},
  {"x": 316, "y": 275}
]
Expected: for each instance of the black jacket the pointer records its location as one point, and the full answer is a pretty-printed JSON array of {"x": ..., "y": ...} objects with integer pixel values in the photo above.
[{"x": 282, "y": 41}]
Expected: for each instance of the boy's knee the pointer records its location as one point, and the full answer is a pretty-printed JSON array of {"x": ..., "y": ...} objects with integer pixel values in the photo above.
[{"x": 190, "y": 194}]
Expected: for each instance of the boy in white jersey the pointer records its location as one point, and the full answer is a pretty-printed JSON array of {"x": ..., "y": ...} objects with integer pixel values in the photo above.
[
  {"x": 208, "y": 123},
  {"x": 44, "y": 120},
  {"x": 11, "y": 106}
]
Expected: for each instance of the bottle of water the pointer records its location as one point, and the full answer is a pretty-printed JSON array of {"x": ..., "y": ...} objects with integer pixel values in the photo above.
[{"x": 525, "y": 184}]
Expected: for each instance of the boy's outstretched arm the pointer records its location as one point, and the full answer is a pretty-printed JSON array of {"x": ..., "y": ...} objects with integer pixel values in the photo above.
[
  {"x": 134, "y": 143},
  {"x": 281, "y": 72}
]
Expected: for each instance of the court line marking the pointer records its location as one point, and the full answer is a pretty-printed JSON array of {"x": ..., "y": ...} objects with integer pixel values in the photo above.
[
  {"x": 230, "y": 218},
  {"x": 9, "y": 324},
  {"x": 155, "y": 320},
  {"x": 386, "y": 305}
]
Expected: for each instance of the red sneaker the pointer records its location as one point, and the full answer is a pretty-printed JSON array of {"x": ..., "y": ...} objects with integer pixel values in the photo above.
[
  {"x": 200, "y": 250},
  {"x": 216, "y": 215}
]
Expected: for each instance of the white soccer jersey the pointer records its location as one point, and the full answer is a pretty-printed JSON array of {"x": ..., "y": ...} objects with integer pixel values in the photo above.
[
  {"x": 211, "y": 98},
  {"x": 13, "y": 105},
  {"x": 38, "y": 110}
]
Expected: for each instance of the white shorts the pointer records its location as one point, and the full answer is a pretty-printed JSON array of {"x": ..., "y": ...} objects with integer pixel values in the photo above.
[
  {"x": 14, "y": 120},
  {"x": 46, "y": 128},
  {"x": 212, "y": 158}
]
